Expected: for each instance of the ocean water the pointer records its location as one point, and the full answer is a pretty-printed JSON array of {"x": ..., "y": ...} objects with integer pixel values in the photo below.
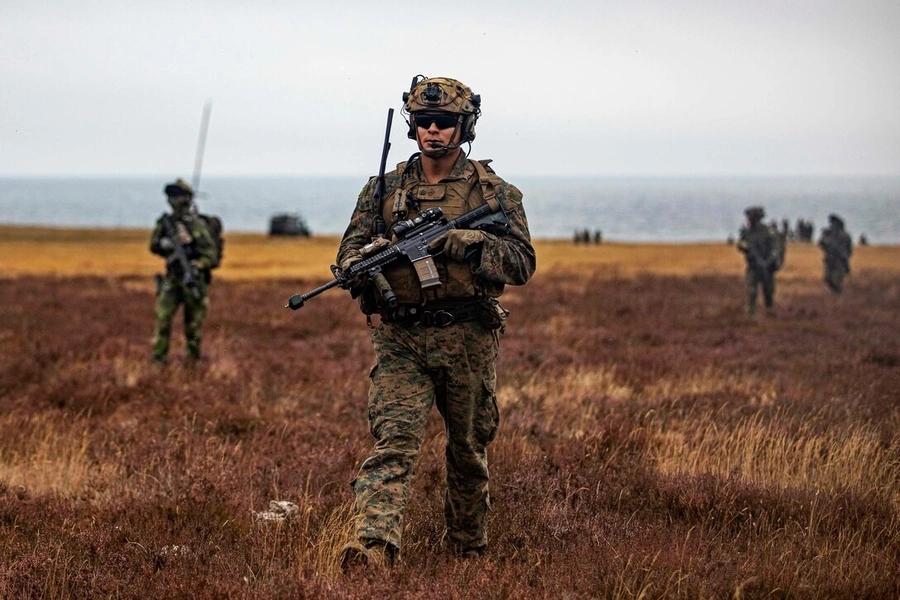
[{"x": 624, "y": 209}]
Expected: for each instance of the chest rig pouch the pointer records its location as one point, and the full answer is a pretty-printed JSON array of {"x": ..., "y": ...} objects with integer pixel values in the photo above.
[{"x": 454, "y": 197}]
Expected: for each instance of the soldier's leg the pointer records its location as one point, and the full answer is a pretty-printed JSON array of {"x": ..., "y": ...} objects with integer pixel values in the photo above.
[
  {"x": 838, "y": 279},
  {"x": 768, "y": 285},
  {"x": 195, "y": 311},
  {"x": 166, "y": 305},
  {"x": 467, "y": 401},
  {"x": 752, "y": 284},
  {"x": 400, "y": 397},
  {"x": 833, "y": 277}
]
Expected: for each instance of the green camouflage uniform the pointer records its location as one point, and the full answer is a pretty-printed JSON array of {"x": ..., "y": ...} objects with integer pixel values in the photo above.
[
  {"x": 172, "y": 292},
  {"x": 759, "y": 243},
  {"x": 418, "y": 365},
  {"x": 838, "y": 246}
]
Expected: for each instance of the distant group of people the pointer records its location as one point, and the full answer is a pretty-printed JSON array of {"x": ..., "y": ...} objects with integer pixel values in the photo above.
[
  {"x": 803, "y": 232},
  {"x": 764, "y": 247},
  {"x": 584, "y": 236}
]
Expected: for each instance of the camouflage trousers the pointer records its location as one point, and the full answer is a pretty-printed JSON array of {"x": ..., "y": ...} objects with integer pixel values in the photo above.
[
  {"x": 171, "y": 295},
  {"x": 835, "y": 271},
  {"x": 455, "y": 368},
  {"x": 754, "y": 281}
]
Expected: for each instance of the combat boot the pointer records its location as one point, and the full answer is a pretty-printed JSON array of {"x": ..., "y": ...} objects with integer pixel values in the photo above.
[{"x": 374, "y": 557}]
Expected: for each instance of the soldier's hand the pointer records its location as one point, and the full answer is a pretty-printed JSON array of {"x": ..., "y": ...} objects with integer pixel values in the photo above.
[
  {"x": 374, "y": 247},
  {"x": 184, "y": 236},
  {"x": 166, "y": 245},
  {"x": 458, "y": 244},
  {"x": 358, "y": 282}
]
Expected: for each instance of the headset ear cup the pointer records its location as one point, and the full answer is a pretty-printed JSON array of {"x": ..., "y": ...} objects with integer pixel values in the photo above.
[
  {"x": 411, "y": 133},
  {"x": 468, "y": 129}
]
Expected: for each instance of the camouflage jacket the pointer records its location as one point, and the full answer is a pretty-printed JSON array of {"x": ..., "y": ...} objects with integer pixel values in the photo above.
[
  {"x": 507, "y": 258},
  {"x": 202, "y": 248},
  {"x": 837, "y": 244},
  {"x": 759, "y": 243}
]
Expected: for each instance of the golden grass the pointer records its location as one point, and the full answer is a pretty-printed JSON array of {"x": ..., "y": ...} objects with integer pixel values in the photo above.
[
  {"x": 108, "y": 252},
  {"x": 45, "y": 455},
  {"x": 762, "y": 452}
]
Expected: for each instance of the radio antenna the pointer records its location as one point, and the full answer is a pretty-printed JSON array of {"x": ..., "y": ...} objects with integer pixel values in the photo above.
[{"x": 201, "y": 145}]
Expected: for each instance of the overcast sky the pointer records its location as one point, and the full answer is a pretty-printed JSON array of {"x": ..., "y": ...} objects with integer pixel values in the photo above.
[{"x": 631, "y": 87}]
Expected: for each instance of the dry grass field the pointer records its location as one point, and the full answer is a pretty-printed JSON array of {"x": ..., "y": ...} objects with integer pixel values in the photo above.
[{"x": 655, "y": 441}]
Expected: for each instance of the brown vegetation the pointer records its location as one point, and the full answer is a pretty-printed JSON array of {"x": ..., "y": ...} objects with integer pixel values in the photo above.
[{"x": 655, "y": 441}]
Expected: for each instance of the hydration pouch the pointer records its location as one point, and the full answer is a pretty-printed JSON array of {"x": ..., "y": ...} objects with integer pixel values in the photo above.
[
  {"x": 368, "y": 303},
  {"x": 493, "y": 315}
]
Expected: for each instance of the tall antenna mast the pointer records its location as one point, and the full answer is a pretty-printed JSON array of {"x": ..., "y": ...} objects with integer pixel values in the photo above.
[{"x": 201, "y": 145}]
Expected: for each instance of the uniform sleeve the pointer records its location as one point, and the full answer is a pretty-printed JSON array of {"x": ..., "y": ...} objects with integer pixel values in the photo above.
[
  {"x": 203, "y": 244},
  {"x": 155, "y": 238},
  {"x": 742, "y": 245},
  {"x": 359, "y": 230},
  {"x": 510, "y": 258}
]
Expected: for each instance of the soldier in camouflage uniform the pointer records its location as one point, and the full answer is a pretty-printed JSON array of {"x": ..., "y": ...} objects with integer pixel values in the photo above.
[
  {"x": 438, "y": 345},
  {"x": 173, "y": 290},
  {"x": 837, "y": 246},
  {"x": 760, "y": 245}
]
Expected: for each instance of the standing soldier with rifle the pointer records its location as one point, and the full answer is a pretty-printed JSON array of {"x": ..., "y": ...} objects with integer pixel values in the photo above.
[
  {"x": 837, "y": 246},
  {"x": 438, "y": 339},
  {"x": 184, "y": 240},
  {"x": 760, "y": 245}
]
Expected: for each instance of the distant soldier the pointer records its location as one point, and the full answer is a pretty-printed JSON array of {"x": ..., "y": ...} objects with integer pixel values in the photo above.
[
  {"x": 837, "y": 246},
  {"x": 184, "y": 240},
  {"x": 760, "y": 245}
]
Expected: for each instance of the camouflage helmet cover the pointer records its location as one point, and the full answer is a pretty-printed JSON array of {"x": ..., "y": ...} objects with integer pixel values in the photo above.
[
  {"x": 179, "y": 187},
  {"x": 445, "y": 95},
  {"x": 755, "y": 213},
  {"x": 440, "y": 93}
]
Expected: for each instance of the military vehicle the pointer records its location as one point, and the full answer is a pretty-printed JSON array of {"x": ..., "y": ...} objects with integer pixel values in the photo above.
[{"x": 290, "y": 224}]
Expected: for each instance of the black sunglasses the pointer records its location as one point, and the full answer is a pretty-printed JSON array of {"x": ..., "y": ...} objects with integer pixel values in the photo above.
[{"x": 442, "y": 120}]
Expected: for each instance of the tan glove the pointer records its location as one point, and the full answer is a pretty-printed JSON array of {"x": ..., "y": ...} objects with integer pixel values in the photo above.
[
  {"x": 457, "y": 243},
  {"x": 360, "y": 280},
  {"x": 374, "y": 247},
  {"x": 184, "y": 236}
]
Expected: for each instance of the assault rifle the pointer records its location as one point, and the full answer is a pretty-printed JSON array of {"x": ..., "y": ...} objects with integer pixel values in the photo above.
[
  {"x": 413, "y": 239},
  {"x": 757, "y": 262},
  {"x": 189, "y": 274}
]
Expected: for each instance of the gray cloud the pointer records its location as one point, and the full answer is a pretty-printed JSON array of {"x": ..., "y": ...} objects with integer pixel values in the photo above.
[{"x": 687, "y": 88}]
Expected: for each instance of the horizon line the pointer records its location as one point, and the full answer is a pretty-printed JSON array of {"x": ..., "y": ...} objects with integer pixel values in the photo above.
[{"x": 505, "y": 176}]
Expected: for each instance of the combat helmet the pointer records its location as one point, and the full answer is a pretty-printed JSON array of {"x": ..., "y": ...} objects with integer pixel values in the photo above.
[
  {"x": 179, "y": 187},
  {"x": 442, "y": 94},
  {"x": 755, "y": 213},
  {"x": 180, "y": 195},
  {"x": 836, "y": 220}
]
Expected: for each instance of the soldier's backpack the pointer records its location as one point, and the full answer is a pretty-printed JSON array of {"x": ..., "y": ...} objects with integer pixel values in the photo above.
[
  {"x": 780, "y": 248},
  {"x": 214, "y": 225}
]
